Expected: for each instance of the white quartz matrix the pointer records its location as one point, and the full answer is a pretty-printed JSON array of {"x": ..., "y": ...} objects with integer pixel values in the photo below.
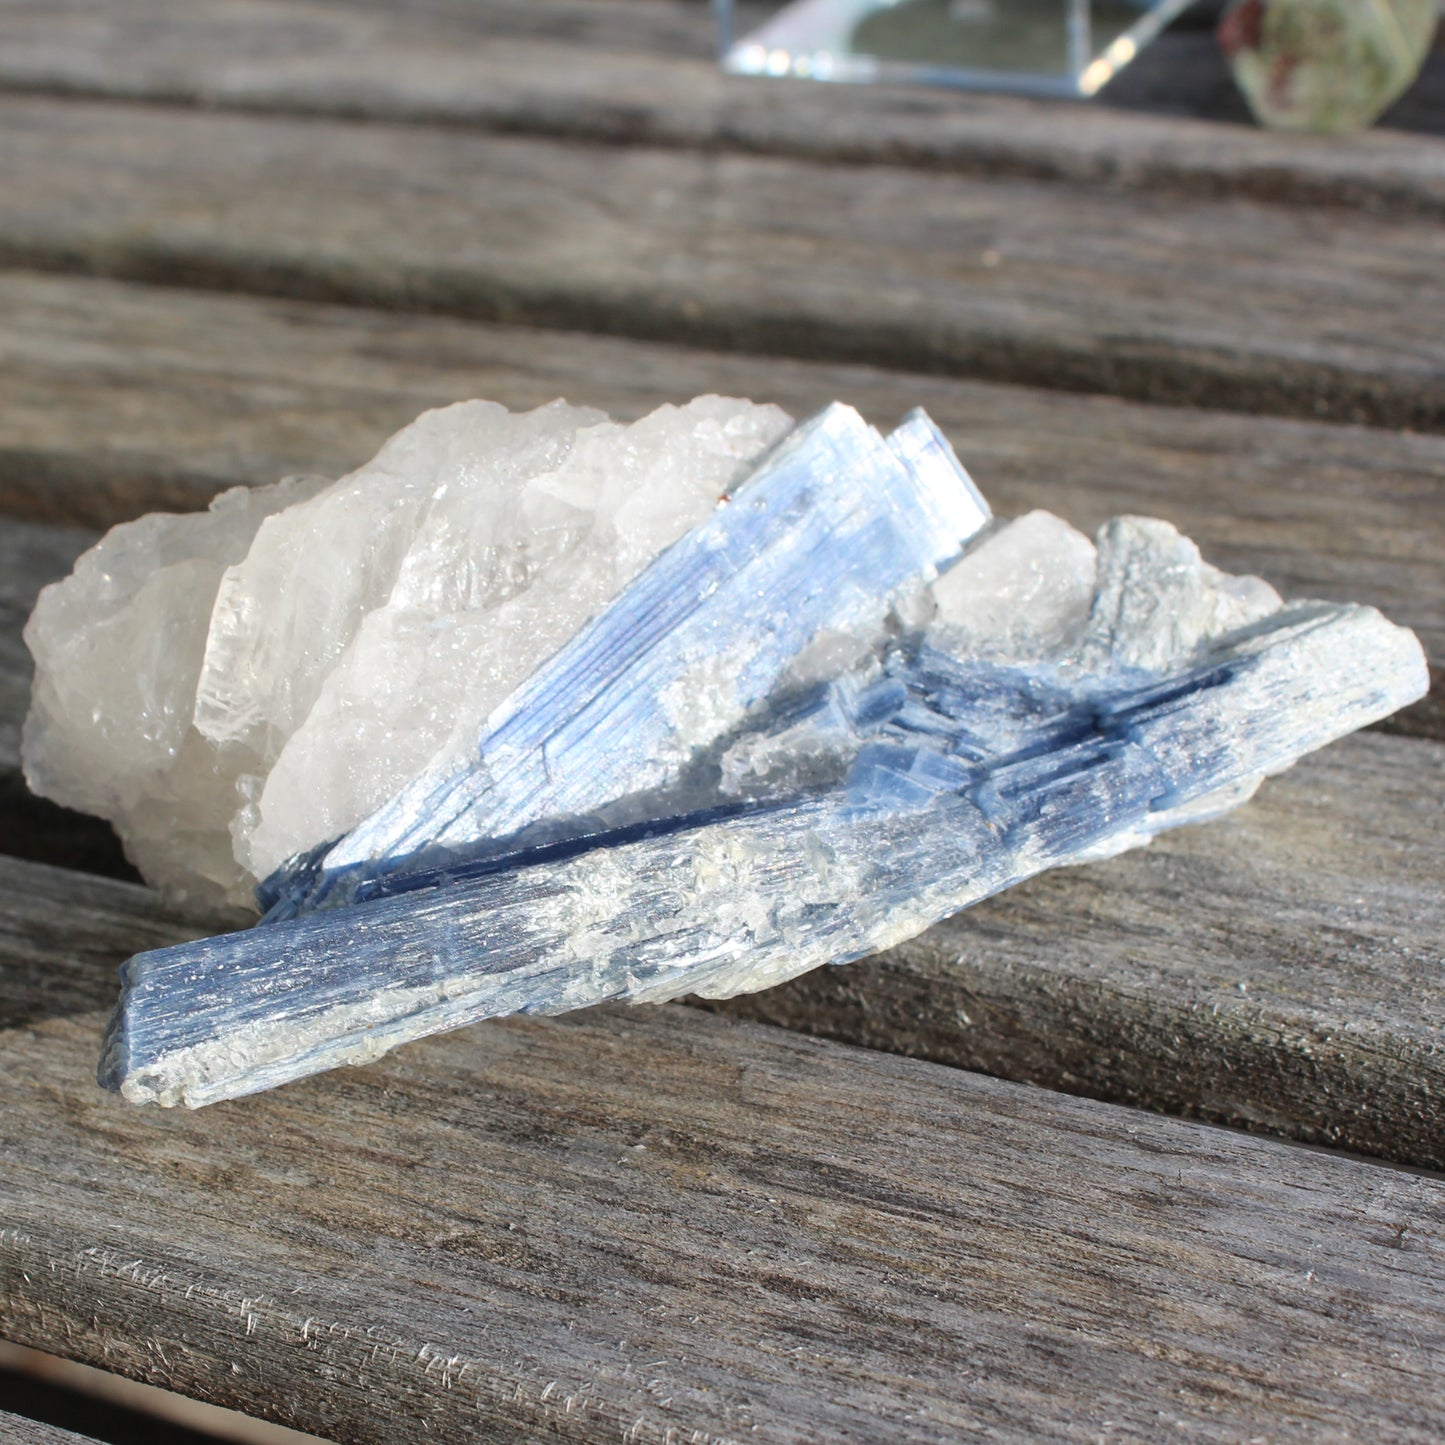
[{"x": 233, "y": 686}]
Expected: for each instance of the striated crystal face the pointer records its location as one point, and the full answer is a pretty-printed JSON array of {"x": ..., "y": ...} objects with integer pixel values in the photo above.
[
  {"x": 835, "y": 530},
  {"x": 233, "y": 687}
]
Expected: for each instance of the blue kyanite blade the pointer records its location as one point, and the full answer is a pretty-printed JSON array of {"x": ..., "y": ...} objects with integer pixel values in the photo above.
[
  {"x": 831, "y": 528},
  {"x": 965, "y": 778}
]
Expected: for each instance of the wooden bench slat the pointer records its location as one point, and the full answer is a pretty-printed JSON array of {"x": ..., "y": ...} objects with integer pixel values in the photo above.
[
  {"x": 1172, "y": 299},
  {"x": 20, "y": 1430},
  {"x": 121, "y": 399},
  {"x": 658, "y": 1221},
  {"x": 642, "y": 72}
]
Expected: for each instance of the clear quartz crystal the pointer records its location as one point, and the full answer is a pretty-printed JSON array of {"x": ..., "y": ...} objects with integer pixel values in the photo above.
[
  {"x": 118, "y": 648},
  {"x": 833, "y": 528},
  {"x": 1024, "y": 592}
]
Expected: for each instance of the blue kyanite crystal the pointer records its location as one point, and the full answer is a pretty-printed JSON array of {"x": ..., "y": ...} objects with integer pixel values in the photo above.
[
  {"x": 686, "y": 800},
  {"x": 834, "y": 525}
]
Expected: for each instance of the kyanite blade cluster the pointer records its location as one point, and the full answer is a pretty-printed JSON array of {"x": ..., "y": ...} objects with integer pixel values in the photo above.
[
  {"x": 718, "y": 906},
  {"x": 838, "y": 708},
  {"x": 825, "y": 537}
]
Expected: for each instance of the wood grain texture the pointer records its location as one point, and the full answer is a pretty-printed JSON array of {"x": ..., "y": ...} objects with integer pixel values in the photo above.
[
  {"x": 18, "y": 1430},
  {"x": 1169, "y": 299},
  {"x": 639, "y": 72},
  {"x": 121, "y": 399},
  {"x": 652, "y": 1223}
]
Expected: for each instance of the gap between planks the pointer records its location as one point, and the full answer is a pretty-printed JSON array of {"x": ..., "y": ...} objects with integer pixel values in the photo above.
[
  {"x": 657, "y": 1221},
  {"x": 642, "y": 73},
  {"x": 81, "y": 1398},
  {"x": 1223, "y": 303}
]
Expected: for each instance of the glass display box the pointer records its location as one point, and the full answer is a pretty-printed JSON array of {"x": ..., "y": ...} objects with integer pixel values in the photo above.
[{"x": 1032, "y": 47}]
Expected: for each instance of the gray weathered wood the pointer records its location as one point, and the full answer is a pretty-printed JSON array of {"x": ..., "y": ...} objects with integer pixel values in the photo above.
[
  {"x": 659, "y": 1223},
  {"x": 1183, "y": 299},
  {"x": 647, "y": 77},
  {"x": 18, "y": 1430},
  {"x": 121, "y": 399}
]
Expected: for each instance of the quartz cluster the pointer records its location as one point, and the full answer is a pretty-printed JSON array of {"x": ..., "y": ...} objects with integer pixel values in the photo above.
[{"x": 535, "y": 712}]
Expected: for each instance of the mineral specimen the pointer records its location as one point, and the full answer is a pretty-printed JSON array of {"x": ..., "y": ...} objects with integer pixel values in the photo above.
[
  {"x": 787, "y": 740},
  {"x": 1326, "y": 65}
]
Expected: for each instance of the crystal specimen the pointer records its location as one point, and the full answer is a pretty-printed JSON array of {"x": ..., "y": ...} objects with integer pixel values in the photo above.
[
  {"x": 1326, "y": 65},
  {"x": 1034, "y": 47},
  {"x": 221, "y": 734},
  {"x": 1044, "y": 704},
  {"x": 551, "y": 711}
]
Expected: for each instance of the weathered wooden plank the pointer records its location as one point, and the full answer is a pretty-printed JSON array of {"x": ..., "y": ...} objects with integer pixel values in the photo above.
[
  {"x": 642, "y": 73},
  {"x": 19, "y": 1430},
  {"x": 1023, "y": 281},
  {"x": 121, "y": 399},
  {"x": 658, "y": 1222}
]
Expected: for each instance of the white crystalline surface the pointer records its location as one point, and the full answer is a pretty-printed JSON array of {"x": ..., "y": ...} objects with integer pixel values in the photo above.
[
  {"x": 1022, "y": 594},
  {"x": 232, "y": 687}
]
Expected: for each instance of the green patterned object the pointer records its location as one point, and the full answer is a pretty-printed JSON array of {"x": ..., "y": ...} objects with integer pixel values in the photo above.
[{"x": 1326, "y": 65}]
